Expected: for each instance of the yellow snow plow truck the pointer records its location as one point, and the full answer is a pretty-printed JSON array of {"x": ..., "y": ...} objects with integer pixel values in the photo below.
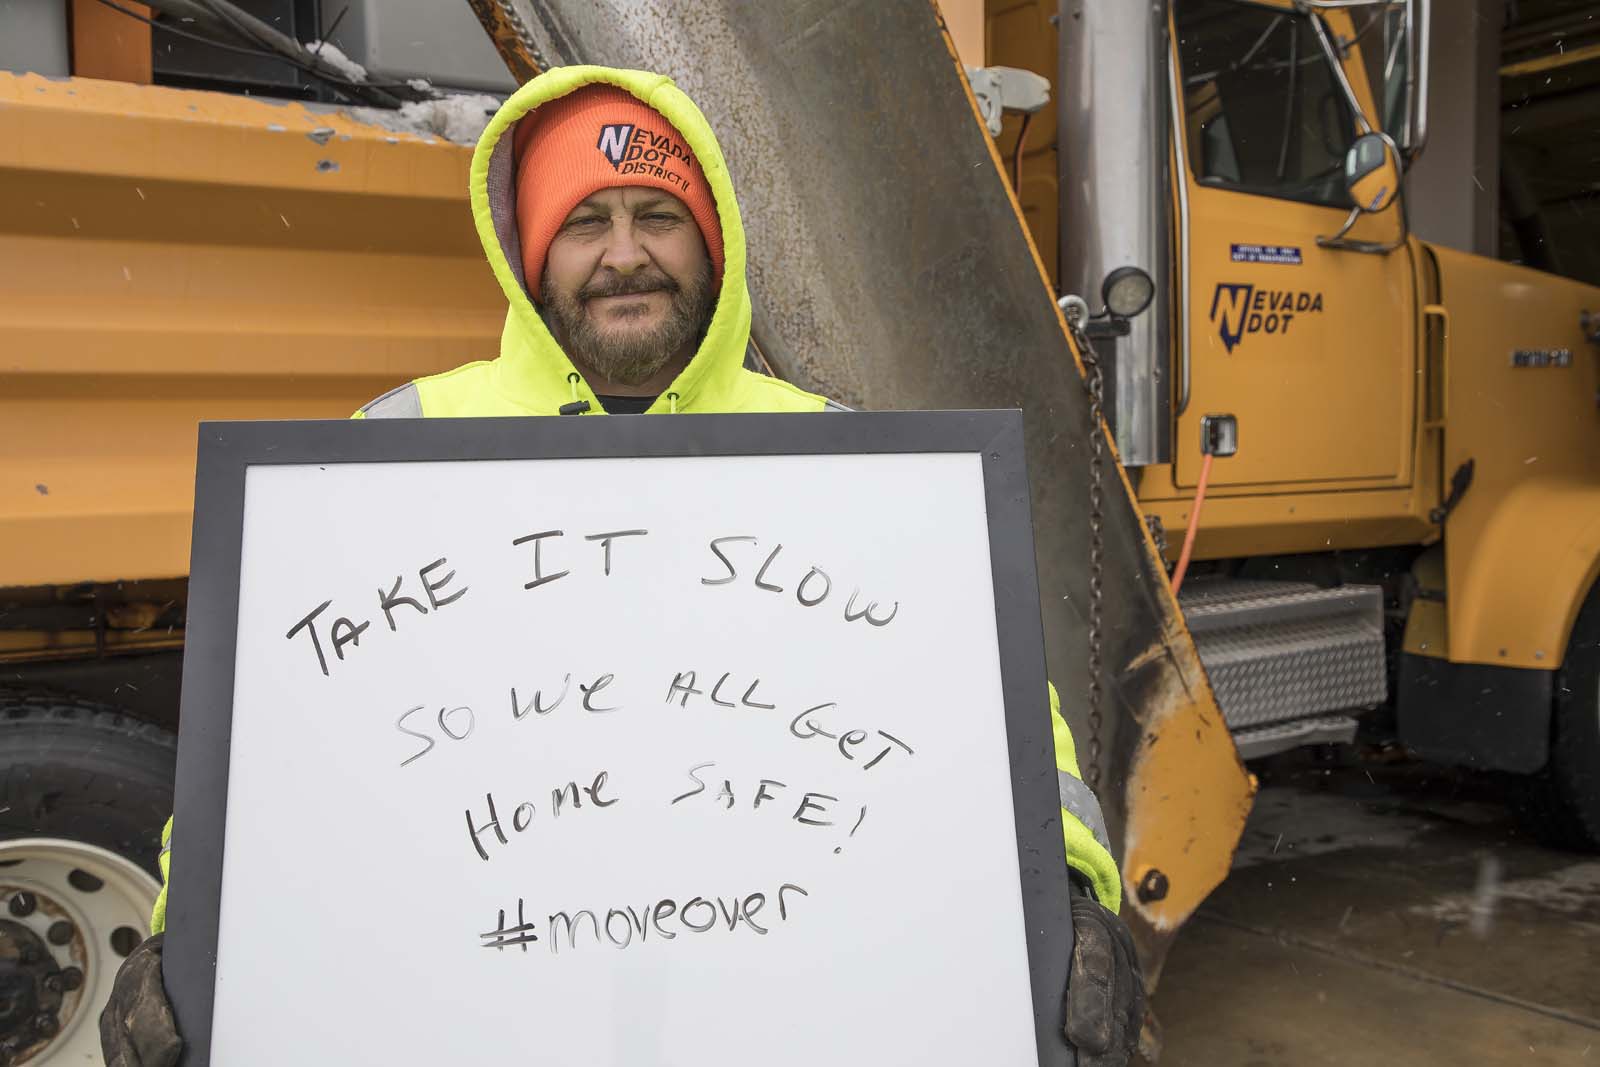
[
  {"x": 1198, "y": 284},
  {"x": 1385, "y": 453}
]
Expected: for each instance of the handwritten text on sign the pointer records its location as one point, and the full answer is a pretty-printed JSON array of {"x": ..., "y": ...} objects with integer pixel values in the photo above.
[{"x": 498, "y": 823}]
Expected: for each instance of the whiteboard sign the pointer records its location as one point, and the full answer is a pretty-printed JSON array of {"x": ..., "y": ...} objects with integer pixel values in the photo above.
[{"x": 702, "y": 740}]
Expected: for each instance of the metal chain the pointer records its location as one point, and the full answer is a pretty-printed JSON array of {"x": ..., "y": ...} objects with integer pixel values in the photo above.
[
  {"x": 509, "y": 34},
  {"x": 1094, "y": 383}
]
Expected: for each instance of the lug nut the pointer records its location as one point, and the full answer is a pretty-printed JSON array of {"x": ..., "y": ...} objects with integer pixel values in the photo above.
[
  {"x": 23, "y": 903},
  {"x": 52, "y": 982},
  {"x": 84, "y": 882},
  {"x": 124, "y": 939},
  {"x": 45, "y": 1024},
  {"x": 71, "y": 978},
  {"x": 60, "y": 932}
]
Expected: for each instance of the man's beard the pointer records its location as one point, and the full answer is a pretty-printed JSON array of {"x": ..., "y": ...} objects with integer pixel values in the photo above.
[{"x": 629, "y": 358}]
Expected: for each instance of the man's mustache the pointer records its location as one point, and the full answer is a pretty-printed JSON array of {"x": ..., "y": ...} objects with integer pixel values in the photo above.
[{"x": 628, "y": 285}]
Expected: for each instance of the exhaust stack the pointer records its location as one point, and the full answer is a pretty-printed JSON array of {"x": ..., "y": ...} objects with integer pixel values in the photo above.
[{"x": 1114, "y": 138}]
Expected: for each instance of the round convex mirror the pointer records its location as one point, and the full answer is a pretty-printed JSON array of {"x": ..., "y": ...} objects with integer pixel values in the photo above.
[{"x": 1372, "y": 172}]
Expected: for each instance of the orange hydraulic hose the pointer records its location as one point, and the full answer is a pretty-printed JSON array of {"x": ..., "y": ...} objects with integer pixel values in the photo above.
[{"x": 1194, "y": 524}]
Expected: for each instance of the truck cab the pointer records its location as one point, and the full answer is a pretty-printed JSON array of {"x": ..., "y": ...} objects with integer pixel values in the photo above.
[{"x": 1383, "y": 453}]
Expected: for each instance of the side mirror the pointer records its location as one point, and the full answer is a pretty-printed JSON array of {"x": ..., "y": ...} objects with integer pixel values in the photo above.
[
  {"x": 1372, "y": 172},
  {"x": 1372, "y": 179}
]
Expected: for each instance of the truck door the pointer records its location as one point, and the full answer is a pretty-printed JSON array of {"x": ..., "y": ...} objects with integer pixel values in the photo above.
[{"x": 1310, "y": 348}]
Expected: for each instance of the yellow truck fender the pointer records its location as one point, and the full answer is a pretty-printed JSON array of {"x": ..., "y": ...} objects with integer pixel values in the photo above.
[
  {"x": 1515, "y": 589},
  {"x": 1476, "y": 681}
]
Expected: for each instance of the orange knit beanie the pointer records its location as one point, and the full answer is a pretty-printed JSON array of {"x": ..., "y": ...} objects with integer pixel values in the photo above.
[{"x": 600, "y": 137}]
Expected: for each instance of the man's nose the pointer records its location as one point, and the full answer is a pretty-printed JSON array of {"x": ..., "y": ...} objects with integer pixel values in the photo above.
[{"x": 624, "y": 254}]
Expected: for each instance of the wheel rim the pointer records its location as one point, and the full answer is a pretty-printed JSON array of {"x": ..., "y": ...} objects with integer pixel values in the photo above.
[{"x": 69, "y": 914}]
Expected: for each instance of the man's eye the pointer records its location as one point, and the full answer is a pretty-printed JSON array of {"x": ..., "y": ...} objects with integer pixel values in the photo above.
[
  {"x": 586, "y": 223},
  {"x": 660, "y": 216}
]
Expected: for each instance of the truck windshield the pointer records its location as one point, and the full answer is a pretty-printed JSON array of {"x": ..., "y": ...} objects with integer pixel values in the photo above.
[
  {"x": 1263, "y": 111},
  {"x": 1385, "y": 53}
]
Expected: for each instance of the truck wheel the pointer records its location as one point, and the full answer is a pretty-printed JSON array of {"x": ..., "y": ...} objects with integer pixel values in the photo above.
[
  {"x": 83, "y": 794},
  {"x": 1561, "y": 804}
]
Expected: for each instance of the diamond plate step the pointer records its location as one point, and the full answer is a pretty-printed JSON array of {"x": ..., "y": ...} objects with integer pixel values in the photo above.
[
  {"x": 1281, "y": 651},
  {"x": 1258, "y": 741}
]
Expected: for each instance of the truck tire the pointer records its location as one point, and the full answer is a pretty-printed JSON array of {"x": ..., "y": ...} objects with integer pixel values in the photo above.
[
  {"x": 1560, "y": 805},
  {"x": 84, "y": 791}
]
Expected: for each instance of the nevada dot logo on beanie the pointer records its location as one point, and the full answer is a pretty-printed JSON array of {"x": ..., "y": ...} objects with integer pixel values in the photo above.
[
  {"x": 601, "y": 137},
  {"x": 632, "y": 149}
]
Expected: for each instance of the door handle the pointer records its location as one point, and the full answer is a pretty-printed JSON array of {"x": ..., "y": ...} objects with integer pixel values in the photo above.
[{"x": 1440, "y": 312}]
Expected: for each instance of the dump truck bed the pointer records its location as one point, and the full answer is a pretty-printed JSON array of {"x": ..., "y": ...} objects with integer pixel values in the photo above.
[{"x": 170, "y": 255}]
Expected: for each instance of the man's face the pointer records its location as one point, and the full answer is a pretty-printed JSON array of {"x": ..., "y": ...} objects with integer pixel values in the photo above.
[{"x": 627, "y": 283}]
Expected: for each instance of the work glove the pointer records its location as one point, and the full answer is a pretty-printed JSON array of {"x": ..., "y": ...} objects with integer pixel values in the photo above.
[
  {"x": 137, "y": 1028},
  {"x": 1105, "y": 990},
  {"x": 1105, "y": 999}
]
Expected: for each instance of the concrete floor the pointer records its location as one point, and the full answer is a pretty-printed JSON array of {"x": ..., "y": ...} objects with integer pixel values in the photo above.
[{"x": 1384, "y": 912}]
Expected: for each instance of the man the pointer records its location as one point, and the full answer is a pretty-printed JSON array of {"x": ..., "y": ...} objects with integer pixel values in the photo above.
[{"x": 607, "y": 215}]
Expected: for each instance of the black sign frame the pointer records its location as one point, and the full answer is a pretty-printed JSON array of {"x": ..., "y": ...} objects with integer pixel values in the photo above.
[{"x": 228, "y": 449}]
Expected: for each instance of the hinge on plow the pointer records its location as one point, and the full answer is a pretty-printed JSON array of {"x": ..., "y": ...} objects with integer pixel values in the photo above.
[{"x": 1459, "y": 483}]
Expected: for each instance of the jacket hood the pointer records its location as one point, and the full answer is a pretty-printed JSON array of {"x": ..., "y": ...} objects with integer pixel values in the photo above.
[{"x": 531, "y": 363}]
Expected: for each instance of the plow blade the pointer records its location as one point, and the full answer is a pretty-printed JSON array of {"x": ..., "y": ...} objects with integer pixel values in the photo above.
[{"x": 891, "y": 269}]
